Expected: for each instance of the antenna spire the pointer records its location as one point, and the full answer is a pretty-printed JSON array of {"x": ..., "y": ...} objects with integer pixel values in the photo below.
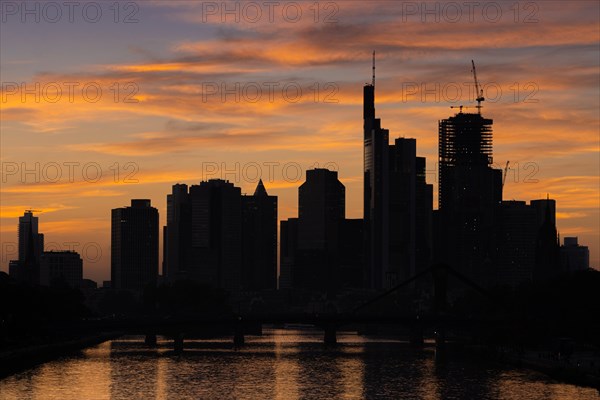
[{"x": 373, "y": 68}]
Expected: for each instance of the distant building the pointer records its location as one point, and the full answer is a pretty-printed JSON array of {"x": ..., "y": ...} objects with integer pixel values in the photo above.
[
  {"x": 350, "y": 260},
  {"x": 287, "y": 252},
  {"x": 61, "y": 268},
  {"x": 177, "y": 235},
  {"x": 470, "y": 194},
  {"x": 410, "y": 210},
  {"x": 259, "y": 240},
  {"x": 376, "y": 199},
  {"x": 31, "y": 244},
  {"x": 321, "y": 250},
  {"x": 134, "y": 244},
  {"x": 516, "y": 243},
  {"x": 89, "y": 284},
  {"x": 398, "y": 204},
  {"x": 29, "y": 237},
  {"x": 13, "y": 268},
  {"x": 216, "y": 236},
  {"x": 423, "y": 217},
  {"x": 547, "y": 254},
  {"x": 574, "y": 257}
]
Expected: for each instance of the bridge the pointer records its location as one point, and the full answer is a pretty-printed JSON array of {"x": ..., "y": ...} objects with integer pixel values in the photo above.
[{"x": 239, "y": 325}]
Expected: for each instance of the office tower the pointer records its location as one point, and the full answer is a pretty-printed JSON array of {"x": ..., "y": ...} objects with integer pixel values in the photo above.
[
  {"x": 31, "y": 245},
  {"x": 470, "y": 193},
  {"x": 177, "y": 236},
  {"x": 410, "y": 208},
  {"x": 321, "y": 204},
  {"x": 573, "y": 256},
  {"x": 398, "y": 204},
  {"x": 376, "y": 185},
  {"x": 287, "y": 252},
  {"x": 517, "y": 233},
  {"x": 321, "y": 207},
  {"x": 134, "y": 244},
  {"x": 402, "y": 203},
  {"x": 28, "y": 233},
  {"x": 216, "y": 234},
  {"x": 423, "y": 217},
  {"x": 350, "y": 263},
  {"x": 310, "y": 244},
  {"x": 259, "y": 240},
  {"x": 547, "y": 251},
  {"x": 544, "y": 209},
  {"x": 61, "y": 268}
]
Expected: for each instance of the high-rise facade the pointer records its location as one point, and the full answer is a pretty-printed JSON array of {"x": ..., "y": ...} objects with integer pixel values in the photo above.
[
  {"x": 31, "y": 245},
  {"x": 311, "y": 245},
  {"x": 376, "y": 199},
  {"x": 517, "y": 233},
  {"x": 259, "y": 240},
  {"x": 321, "y": 207},
  {"x": 217, "y": 236},
  {"x": 573, "y": 256},
  {"x": 177, "y": 234},
  {"x": 470, "y": 194},
  {"x": 410, "y": 208},
  {"x": 547, "y": 251},
  {"x": 398, "y": 204},
  {"x": 61, "y": 268},
  {"x": 134, "y": 244}
]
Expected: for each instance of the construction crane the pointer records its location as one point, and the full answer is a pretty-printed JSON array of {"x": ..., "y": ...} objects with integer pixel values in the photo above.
[
  {"x": 478, "y": 90},
  {"x": 32, "y": 211},
  {"x": 505, "y": 173}
]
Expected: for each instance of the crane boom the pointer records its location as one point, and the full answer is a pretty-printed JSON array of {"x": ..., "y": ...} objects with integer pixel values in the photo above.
[
  {"x": 505, "y": 172},
  {"x": 478, "y": 91}
]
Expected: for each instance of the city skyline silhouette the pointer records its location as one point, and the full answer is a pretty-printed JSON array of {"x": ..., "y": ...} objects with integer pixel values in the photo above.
[
  {"x": 546, "y": 113},
  {"x": 299, "y": 199}
]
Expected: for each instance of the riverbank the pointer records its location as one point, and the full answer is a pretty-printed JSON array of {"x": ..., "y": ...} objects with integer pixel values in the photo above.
[
  {"x": 580, "y": 369},
  {"x": 19, "y": 359}
]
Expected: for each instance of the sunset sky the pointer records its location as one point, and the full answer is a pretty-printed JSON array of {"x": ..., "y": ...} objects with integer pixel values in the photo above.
[{"x": 538, "y": 62}]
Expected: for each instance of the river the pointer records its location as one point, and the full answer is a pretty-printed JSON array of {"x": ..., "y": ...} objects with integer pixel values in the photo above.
[{"x": 281, "y": 364}]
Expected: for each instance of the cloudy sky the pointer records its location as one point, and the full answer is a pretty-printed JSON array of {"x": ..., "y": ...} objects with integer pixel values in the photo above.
[{"x": 103, "y": 102}]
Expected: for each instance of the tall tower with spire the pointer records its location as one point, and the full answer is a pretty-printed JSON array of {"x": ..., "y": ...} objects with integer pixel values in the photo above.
[
  {"x": 259, "y": 240},
  {"x": 376, "y": 184}
]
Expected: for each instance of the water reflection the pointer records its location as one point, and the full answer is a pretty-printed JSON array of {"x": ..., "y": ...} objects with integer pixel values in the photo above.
[{"x": 279, "y": 365}]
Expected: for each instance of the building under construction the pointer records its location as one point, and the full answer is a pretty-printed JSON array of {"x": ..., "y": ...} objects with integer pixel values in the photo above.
[
  {"x": 465, "y": 140},
  {"x": 470, "y": 193}
]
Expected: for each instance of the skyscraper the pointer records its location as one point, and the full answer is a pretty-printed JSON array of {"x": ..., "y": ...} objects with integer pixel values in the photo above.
[
  {"x": 216, "y": 234},
  {"x": 470, "y": 193},
  {"x": 321, "y": 207},
  {"x": 134, "y": 244},
  {"x": 287, "y": 252},
  {"x": 573, "y": 256},
  {"x": 376, "y": 185},
  {"x": 310, "y": 247},
  {"x": 517, "y": 232},
  {"x": 259, "y": 240},
  {"x": 58, "y": 268},
  {"x": 410, "y": 208},
  {"x": 547, "y": 251},
  {"x": 423, "y": 217},
  {"x": 397, "y": 203},
  {"x": 31, "y": 246},
  {"x": 402, "y": 228},
  {"x": 177, "y": 235}
]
